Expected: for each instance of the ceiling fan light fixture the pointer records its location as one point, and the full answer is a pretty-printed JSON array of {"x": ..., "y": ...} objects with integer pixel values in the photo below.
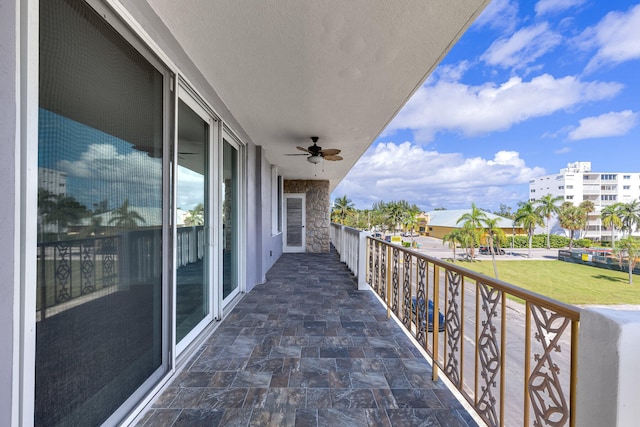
[{"x": 314, "y": 159}]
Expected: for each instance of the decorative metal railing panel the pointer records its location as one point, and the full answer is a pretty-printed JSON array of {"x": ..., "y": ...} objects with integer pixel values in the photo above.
[{"x": 489, "y": 326}]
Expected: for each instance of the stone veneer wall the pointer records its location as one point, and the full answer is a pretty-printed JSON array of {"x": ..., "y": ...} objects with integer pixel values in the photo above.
[{"x": 317, "y": 211}]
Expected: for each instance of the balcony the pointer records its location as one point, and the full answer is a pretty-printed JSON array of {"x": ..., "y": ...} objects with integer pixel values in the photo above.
[
  {"x": 335, "y": 340},
  {"x": 307, "y": 348}
]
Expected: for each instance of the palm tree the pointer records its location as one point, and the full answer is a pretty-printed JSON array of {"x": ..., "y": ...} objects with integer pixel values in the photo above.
[
  {"x": 611, "y": 217},
  {"x": 492, "y": 230},
  {"x": 528, "y": 217},
  {"x": 410, "y": 222},
  {"x": 629, "y": 247},
  {"x": 630, "y": 214},
  {"x": 60, "y": 209},
  {"x": 572, "y": 218},
  {"x": 454, "y": 237},
  {"x": 587, "y": 206},
  {"x": 341, "y": 207},
  {"x": 546, "y": 206},
  {"x": 125, "y": 217},
  {"x": 472, "y": 220}
]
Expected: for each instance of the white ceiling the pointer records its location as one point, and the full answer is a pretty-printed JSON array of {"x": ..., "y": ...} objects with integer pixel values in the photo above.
[{"x": 337, "y": 69}]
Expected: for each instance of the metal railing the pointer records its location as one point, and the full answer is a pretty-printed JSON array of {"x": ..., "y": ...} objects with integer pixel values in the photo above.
[
  {"x": 510, "y": 352},
  {"x": 71, "y": 272}
]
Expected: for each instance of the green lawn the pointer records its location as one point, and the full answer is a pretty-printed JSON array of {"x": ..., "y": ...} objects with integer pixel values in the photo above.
[{"x": 566, "y": 282}]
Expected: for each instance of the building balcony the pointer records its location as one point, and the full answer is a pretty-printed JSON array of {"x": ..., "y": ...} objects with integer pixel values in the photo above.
[{"x": 307, "y": 348}]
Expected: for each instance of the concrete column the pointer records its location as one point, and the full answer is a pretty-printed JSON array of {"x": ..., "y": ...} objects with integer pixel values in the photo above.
[{"x": 608, "y": 391}]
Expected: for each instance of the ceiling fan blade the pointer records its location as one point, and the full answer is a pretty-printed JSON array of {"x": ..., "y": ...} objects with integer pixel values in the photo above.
[
  {"x": 303, "y": 149},
  {"x": 296, "y": 154},
  {"x": 332, "y": 157},
  {"x": 330, "y": 151}
]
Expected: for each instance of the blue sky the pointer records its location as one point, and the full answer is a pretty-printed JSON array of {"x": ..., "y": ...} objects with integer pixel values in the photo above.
[{"x": 530, "y": 87}]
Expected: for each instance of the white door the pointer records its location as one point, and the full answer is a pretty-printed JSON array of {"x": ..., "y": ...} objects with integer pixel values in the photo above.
[{"x": 294, "y": 222}]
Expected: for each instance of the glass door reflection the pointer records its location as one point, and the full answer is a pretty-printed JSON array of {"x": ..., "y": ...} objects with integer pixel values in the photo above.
[
  {"x": 230, "y": 214},
  {"x": 192, "y": 268}
]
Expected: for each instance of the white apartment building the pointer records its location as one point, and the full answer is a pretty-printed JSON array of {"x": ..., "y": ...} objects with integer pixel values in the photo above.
[{"x": 577, "y": 182}]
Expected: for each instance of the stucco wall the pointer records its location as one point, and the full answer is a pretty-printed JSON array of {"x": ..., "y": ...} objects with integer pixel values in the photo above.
[{"x": 317, "y": 211}]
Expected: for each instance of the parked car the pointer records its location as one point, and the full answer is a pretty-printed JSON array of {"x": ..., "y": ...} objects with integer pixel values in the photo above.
[
  {"x": 484, "y": 250},
  {"x": 377, "y": 235},
  {"x": 418, "y": 309}
]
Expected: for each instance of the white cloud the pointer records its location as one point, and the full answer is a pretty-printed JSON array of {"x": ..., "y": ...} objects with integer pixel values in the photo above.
[
  {"x": 102, "y": 172},
  {"x": 544, "y": 7},
  {"x": 563, "y": 150},
  {"x": 522, "y": 47},
  {"x": 615, "y": 38},
  {"x": 431, "y": 179},
  {"x": 605, "y": 125},
  {"x": 476, "y": 110},
  {"x": 499, "y": 14}
]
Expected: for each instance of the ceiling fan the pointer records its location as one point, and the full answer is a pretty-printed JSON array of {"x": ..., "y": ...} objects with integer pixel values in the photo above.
[{"x": 317, "y": 153}]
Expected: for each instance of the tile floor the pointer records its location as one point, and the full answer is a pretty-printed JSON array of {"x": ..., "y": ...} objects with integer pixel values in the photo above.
[{"x": 307, "y": 349}]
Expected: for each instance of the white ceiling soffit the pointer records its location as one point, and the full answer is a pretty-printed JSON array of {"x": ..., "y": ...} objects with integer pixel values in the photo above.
[{"x": 340, "y": 70}]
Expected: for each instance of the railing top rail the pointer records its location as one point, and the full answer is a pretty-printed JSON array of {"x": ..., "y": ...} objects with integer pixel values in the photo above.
[{"x": 567, "y": 310}]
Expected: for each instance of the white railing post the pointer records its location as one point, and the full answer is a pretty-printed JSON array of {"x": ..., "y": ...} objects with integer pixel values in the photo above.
[
  {"x": 362, "y": 261},
  {"x": 608, "y": 374}
]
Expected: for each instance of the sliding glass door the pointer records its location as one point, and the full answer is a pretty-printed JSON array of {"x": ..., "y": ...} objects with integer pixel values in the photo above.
[
  {"x": 102, "y": 219},
  {"x": 230, "y": 218},
  {"x": 193, "y": 218}
]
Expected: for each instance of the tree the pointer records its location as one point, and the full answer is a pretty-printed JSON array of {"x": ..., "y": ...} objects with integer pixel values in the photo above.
[
  {"x": 59, "y": 209},
  {"x": 629, "y": 247},
  {"x": 611, "y": 217},
  {"x": 528, "y": 217},
  {"x": 411, "y": 222},
  {"x": 454, "y": 237},
  {"x": 341, "y": 207},
  {"x": 504, "y": 211},
  {"x": 195, "y": 216},
  {"x": 572, "y": 218},
  {"x": 472, "y": 220},
  {"x": 546, "y": 206},
  {"x": 588, "y": 207},
  {"x": 630, "y": 215},
  {"x": 125, "y": 217},
  {"x": 493, "y": 231}
]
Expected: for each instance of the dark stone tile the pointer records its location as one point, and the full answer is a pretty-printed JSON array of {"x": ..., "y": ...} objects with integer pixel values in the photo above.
[
  {"x": 221, "y": 379},
  {"x": 319, "y": 398},
  {"x": 162, "y": 417},
  {"x": 252, "y": 379},
  {"x": 339, "y": 379},
  {"x": 199, "y": 418},
  {"x": 317, "y": 365},
  {"x": 256, "y": 398},
  {"x": 450, "y": 418},
  {"x": 384, "y": 398},
  {"x": 377, "y": 418},
  {"x": 192, "y": 379},
  {"x": 297, "y": 341},
  {"x": 265, "y": 417},
  {"x": 353, "y": 398},
  {"x": 187, "y": 398},
  {"x": 310, "y": 352},
  {"x": 333, "y": 417},
  {"x": 306, "y": 418},
  {"x": 368, "y": 380},
  {"x": 236, "y": 417},
  {"x": 280, "y": 399},
  {"x": 413, "y": 417},
  {"x": 289, "y": 351},
  {"x": 165, "y": 399},
  {"x": 306, "y": 379},
  {"x": 397, "y": 379},
  {"x": 335, "y": 352},
  {"x": 447, "y": 399},
  {"x": 264, "y": 364},
  {"x": 415, "y": 398},
  {"x": 420, "y": 379},
  {"x": 382, "y": 352},
  {"x": 222, "y": 398}
]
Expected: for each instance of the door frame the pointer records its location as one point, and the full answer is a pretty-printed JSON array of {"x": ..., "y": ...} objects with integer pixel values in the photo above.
[
  {"x": 193, "y": 101},
  {"x": 303, "y": 246}
]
